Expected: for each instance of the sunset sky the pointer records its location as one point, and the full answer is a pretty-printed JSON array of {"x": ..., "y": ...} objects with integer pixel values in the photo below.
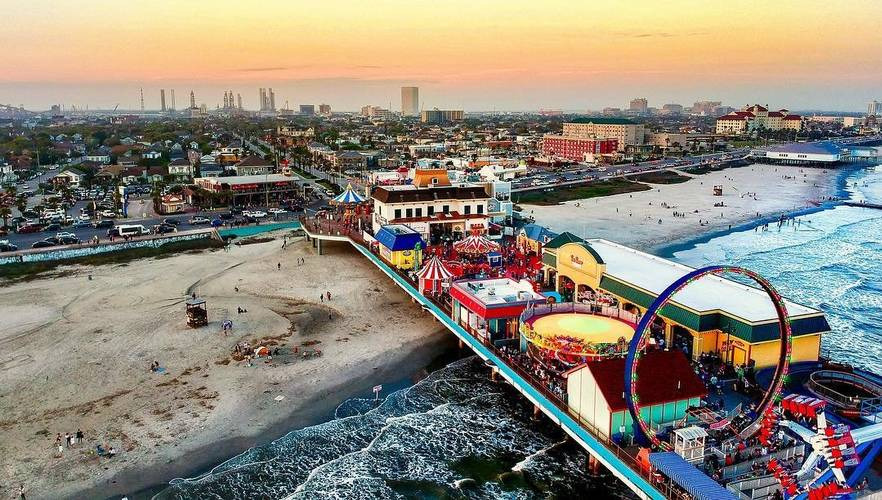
[{"x": 475, "y": 54}]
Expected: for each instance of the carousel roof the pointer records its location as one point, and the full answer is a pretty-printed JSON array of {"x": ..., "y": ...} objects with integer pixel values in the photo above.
[
  {"x": 434, "y": 270},
  {"x": 348, "y": 196},
  {"x": 476, "y": 244}
]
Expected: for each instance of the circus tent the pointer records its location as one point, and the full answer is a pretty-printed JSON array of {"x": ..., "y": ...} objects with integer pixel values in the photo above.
[
  {"x": 348, "y": 196},
  {"x": 433, "y": 275},
  {"x": 476, "y": 245}
]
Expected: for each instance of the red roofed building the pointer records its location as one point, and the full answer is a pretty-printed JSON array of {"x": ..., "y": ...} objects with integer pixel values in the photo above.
[
  {"x": 750, "y": 118},
  {"x": 667, "y": 387}
]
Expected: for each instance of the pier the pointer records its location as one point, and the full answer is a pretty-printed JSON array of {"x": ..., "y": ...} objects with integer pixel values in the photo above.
[
  {"x": 621, "y": 462},
  {"x": 876, "y": 206}
]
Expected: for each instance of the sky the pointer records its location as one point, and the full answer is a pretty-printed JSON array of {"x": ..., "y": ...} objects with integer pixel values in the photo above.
[{"x": 477, "y": 55}]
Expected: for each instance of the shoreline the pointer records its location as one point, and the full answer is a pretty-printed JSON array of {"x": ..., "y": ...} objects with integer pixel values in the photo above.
[
  {"x": 668, "y": 249},
  {"x": 676, "y": 215},
  {"x": 142, "y": 483}
]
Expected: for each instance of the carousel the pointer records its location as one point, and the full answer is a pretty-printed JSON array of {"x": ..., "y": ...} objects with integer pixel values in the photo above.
[
  {"x": 434, "y": 277},
  {"x": 352, "y": 205}
]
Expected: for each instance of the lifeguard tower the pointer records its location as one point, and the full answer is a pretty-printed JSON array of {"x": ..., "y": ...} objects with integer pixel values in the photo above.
[{"x": 197, "y": 314}]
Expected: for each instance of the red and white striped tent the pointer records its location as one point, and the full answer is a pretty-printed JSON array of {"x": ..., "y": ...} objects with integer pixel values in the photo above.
[
  {"x": 476, "y": 245},
  {"x": 433, "y": 276}
]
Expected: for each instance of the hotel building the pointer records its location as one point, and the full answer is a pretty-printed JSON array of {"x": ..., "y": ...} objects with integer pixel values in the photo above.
[
  {"x": 576, "y": 148},
  {"x": 754, "y": 117},
  {"x": 627, "y": 134}
]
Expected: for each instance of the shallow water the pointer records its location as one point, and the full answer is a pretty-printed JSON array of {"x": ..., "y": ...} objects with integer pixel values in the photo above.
[
  {"x": 831, "y": 260},
  {"x": 456, "y": 434}
]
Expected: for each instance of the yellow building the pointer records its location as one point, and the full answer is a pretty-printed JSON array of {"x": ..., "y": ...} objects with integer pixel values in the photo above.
[
  {"x": 401, "y": 246},
  {"x": 531, "y": 237},
  {"x": 628, "y": 133},
  {"x": 711, "y": 314}
]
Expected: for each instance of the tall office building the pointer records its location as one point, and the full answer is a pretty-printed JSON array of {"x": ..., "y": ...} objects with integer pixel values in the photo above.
[
  {"x": 239, "y": 101},
  {"x": 410, "y": 101},
  {"x": 439, "y": 116},
  {"x": 640, "y": 105},
  {"x": 173, "y": 99},
  {"x": 192, "y": 100},
  {"x": 262, "y": 99},
  {"x": 272, "y": 100},
  {"x": 162, "y": 100},
  {"x": 324, "y": 109},
  {"x": 874, "y": 108},
  {"x": 226, "y": 100},
  {"x": 267, "y": 100}
]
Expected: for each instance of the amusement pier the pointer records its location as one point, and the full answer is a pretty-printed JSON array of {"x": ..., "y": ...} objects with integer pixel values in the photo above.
[{"x": 684, "y": 383}]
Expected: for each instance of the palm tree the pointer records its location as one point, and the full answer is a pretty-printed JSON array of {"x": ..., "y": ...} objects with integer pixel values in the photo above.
[{"x": 5, "y": 212}]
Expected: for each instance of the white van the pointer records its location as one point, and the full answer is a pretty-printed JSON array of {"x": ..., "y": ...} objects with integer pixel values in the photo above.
[{"x": 132, "y": 230}]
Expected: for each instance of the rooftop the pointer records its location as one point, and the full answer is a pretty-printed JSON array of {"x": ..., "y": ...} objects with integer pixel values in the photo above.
[
  {"x": 603, "y": 120},
  {"x": 710, "y": 293},
  {"x": 251, "y": 179},
  {"x": 500, "y": 291}
]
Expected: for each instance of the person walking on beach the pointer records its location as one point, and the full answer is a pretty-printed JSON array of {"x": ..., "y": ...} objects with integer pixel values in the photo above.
[
  {"x": 322, "y": 298},
  {"x": 329, "y": 296},
  {"x": 21, "y": 493},
  {"x": 279, "y": 266}
]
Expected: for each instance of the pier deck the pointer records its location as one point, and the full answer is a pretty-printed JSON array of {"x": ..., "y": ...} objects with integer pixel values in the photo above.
[{"x": 617, "y": 460}]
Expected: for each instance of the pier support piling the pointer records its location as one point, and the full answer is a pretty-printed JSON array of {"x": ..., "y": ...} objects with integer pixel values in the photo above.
[
  {"x": 593, "y": 465},
  {"x": 536, "y": 412}
]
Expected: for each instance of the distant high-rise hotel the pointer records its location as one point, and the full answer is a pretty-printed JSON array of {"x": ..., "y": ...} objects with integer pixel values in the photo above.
[
  {"x": 874, "y": 108},
  {"x": 162, "y": 100},
  {"x": 410, "y": 101},
  {"x": 324, "y": 109},
  {"x": 640, "y": 105}
]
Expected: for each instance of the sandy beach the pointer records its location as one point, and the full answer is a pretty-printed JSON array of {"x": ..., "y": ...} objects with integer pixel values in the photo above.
[
  {"x": 749, "y": 193},
  {"x": 76, "y": 354}
]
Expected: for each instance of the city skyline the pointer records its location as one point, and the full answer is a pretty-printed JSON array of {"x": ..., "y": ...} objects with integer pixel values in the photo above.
[{"x": 492, "y": 56}]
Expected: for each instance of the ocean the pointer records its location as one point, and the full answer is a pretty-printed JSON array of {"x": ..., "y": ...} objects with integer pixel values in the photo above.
[{"x": 421, "y": 441}]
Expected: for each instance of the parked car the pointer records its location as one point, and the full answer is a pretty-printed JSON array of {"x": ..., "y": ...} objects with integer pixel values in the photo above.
[
  {"x": 69, "y": 240},
  {"x": 277, "y": 211},
  {"x": 42, "y": 244},
  {"x": 108, "y": 213},
  {"x": 65, "y": 234},
  {"x": 171, "y": 222},
  {"x": 256, "y": 214},
  {"x": 131, "y": 230},
  {"x": 225, "y": 215},
  {"x": 6, "y": 246},
  {"x": 52, "y": 227},
  {"x": 29, "y": 228},
  {"x": 164, "y": 228},
  {"x": 198, "y": 219},
  {"x": 82, "y": 223},
  {"x": 217, "y": 222},
  {"x": 103, "y": 223}
]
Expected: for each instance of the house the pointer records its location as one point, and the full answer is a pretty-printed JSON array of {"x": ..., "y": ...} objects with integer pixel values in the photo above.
[
  {"x": 254, "y": 165},
  {"x": 151, "y": 155},
  {"x": 180, "y": 168},
  {"x": 110, "y": 172},
  {"x": 99, "y": 158},
  {"x": 131, "y": 175},
  {"x": 667, "y": 387},
  {"x": 210, "y": 170},
  {"x": 70, "y": 176},
  {"x": 532, "y": 237},
  {"x": 400, "y": 246},
  {"x": 172, "y": 204},
  {"x": 344, "y": 160},
  {"x": 128, "y": 141},
  {"x": 157, "y": 174}
]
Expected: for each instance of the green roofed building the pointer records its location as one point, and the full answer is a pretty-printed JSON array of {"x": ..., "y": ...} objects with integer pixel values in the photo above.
[
  {"x": 628, "y": 133},
  {"x": 711, "y": 314}
]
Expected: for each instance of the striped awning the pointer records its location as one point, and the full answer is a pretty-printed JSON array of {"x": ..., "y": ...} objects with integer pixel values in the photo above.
[
  {"x": 434, "y": 270},
  {"x": 348, "y": 196},
  {"x": 476, "y": 245}
]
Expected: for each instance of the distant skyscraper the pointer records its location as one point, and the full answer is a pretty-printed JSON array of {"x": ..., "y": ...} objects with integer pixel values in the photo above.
[
  {"x": 410, "y": 101},
  {"x": 874, "y": 108},
  {"x": 142, "y": 100},
  {"x": 239, "y": 101},
  {"x": 262, "y": 99},
  {"x": 192, "y": 100},
  {"x": 162, "y": 100},
  {"x": 226, "y": 100},
  {"x": 640, "y": 105},
  {"x": 173, "y": 99},
  {"x": 307, "y": 109},
  {"x": 324, "y": 109},
  {"x": 272, "y": 100}
]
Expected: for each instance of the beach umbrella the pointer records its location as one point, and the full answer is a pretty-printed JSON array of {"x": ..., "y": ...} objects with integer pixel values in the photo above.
[
  {"x": 348, "y": 196},
  {"x": 476, "y": 245},
  {"x": 432, "y": 275}
]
